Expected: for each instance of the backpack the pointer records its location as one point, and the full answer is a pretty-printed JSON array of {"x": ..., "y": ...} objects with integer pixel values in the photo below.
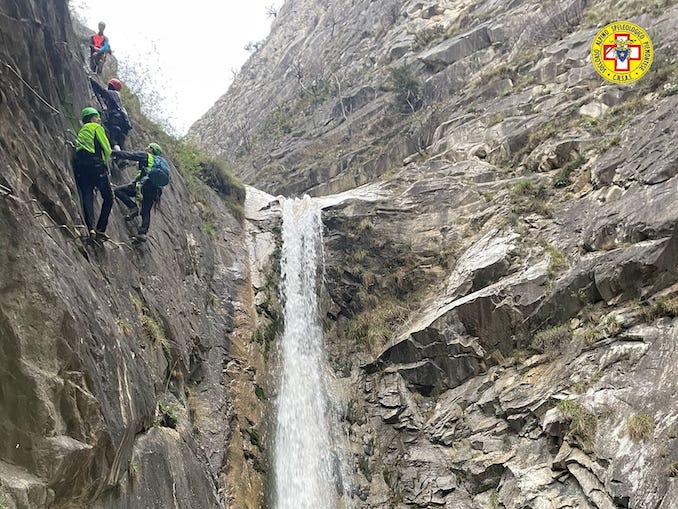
[{"x": 159, "y": 174}]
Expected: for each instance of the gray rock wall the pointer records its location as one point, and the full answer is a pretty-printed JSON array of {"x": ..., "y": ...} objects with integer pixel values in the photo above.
[
  {"x": 113, "y": 383},
  {"x": 504, "y": 317}
]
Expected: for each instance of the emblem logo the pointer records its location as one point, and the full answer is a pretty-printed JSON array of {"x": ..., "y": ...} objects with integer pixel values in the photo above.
[{"x": 622, "y": 52}]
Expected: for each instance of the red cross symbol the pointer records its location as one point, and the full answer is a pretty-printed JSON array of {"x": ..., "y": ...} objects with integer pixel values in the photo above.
[{"x": 621, "y": 64}]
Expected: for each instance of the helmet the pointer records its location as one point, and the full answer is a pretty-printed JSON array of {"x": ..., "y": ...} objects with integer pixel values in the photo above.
[
  {"x": 88, "y": 112},
  {"x": 115, "y": 84},
  {"x": 155, "y": 148}
]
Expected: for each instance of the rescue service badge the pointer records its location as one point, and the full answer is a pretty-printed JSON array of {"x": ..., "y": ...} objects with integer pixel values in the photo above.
[{"x": 622, "y": 52}]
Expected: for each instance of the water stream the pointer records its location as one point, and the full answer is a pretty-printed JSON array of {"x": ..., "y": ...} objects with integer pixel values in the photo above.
[{"x": 305, "y": 457}]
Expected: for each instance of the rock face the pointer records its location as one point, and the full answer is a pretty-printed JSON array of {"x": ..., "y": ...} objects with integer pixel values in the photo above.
[
  {"x": 503, "y": 313},
  {"x": 501, "y": 296},
  {"x": 117, "y": 386}
]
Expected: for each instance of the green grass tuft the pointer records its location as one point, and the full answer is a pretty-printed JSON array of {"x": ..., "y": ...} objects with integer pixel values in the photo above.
[{"x": 167, "y": 416}]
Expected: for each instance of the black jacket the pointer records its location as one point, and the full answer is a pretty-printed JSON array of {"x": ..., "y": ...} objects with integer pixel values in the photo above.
[
  {"x": 117, "y": 115},
  {"x": 140, "y": 157}
]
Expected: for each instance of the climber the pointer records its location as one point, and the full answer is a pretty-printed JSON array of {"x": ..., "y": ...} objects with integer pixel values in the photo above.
[
  {"x": 99, "y": 47},
  {"x": 152, "y": 176},
  {"x": 89, "y": 166},
  {"x": 116, "y": 120}
]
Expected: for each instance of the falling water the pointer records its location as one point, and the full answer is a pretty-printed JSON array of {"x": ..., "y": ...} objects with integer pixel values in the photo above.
[{"x": 304, "y": 473}]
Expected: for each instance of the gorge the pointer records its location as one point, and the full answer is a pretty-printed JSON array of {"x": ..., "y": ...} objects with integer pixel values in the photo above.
[{"x": 476, "y": 308}]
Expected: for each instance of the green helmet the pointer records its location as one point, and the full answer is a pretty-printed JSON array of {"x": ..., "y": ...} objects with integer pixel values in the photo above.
[
  {"x": 88, "y": 112},
  {"x": 157, "y": 150}
]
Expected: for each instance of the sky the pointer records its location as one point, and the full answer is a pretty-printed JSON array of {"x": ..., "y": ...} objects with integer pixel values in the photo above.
[{"x": 186, "y": 51}]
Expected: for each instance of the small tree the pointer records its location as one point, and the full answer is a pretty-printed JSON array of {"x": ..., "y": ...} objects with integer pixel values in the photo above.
[
  {"x": 407, "y": 88},
  {"x": 272, "y": 11}
]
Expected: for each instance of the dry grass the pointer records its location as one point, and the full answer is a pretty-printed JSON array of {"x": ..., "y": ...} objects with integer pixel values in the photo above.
[
  {"x": 374, "y": 327},
  {"x": 660, "y": 308},
  {"x": 124, "y": 326},
  {"x": 134, "y": 472},
  {"x": 583, "y": 422},
  {"x": 154, "y": 331},
  {"x": 548, "y": 340},
  {"x": 640, "y": 426},
  {"x": 527, "y": 197}
]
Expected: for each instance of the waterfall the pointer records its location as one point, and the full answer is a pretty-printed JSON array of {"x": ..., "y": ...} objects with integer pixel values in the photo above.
[{"x": 304, "y": 457}]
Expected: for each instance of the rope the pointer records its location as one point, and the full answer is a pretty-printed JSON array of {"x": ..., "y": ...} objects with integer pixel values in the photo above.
[
  {"x": 44, "y": 101},
  {"x": 38, "y": 213}
]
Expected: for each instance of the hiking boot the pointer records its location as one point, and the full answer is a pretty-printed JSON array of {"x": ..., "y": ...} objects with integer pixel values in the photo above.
[
  {"x": 134, "y": 212},
  {"x": 102, "y": 236},
  {"x": 92, "y": 233},
  {"x": 140, "y": 237}
]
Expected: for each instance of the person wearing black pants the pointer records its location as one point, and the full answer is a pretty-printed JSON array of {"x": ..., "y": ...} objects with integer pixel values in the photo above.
[
  {"x": 91, "y": 172},
  {"x": 150, "y": 193}
]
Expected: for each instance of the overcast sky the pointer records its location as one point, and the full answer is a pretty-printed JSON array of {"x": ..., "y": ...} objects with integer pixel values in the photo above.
[{"x": 191, "y": 46}]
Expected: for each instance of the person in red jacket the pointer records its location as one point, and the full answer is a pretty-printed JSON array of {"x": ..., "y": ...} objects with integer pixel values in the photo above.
[{"x": 99, "y": 47}]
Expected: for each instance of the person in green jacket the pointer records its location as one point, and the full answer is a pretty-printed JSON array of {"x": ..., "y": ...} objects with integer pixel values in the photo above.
[
  {"x": 91, "y": 171},
  {"x": 149, "y": 189}
]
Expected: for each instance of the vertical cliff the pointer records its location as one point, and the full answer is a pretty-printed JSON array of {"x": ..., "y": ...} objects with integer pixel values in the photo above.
[
  {"x": 117, "y": 361},
  {"x": 501, "y": 296}
]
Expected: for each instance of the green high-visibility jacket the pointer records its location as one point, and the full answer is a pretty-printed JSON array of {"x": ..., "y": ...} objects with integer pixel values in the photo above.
[{"x": 92, "y": 138}]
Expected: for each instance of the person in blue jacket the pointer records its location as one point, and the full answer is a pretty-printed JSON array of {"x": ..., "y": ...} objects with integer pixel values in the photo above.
[{"x": 141, "y": 185}]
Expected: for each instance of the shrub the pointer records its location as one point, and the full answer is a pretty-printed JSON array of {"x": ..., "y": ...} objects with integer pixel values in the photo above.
[
  {"x": 550, "y": 339},
  {"x": 562, "y": 177},
  {"x": 640, "y": 426},
  {"x": 195, "y": 164},
  {"x": 214, "y": 173},
  {"x": 124, "y": 326},
  {"x": 429, "y": 36},
  {"x": 612, "y": 326},
  {"x": 406, "y": 86},
  {"x": 527, "y": 197},
  {"x": 266, "y": 333},
  {"x": 167, "y": 417},
  {"x": 557, "y": 259},
  {"x": 590, "y": 335},
  {"x": 260, "y": 393}
]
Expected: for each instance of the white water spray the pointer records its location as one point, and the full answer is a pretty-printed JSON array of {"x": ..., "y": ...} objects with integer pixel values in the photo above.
[{"x": 304, "y": 461}]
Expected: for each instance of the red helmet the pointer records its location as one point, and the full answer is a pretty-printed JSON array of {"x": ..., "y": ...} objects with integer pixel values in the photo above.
[{"x": 115, "y": 84}]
